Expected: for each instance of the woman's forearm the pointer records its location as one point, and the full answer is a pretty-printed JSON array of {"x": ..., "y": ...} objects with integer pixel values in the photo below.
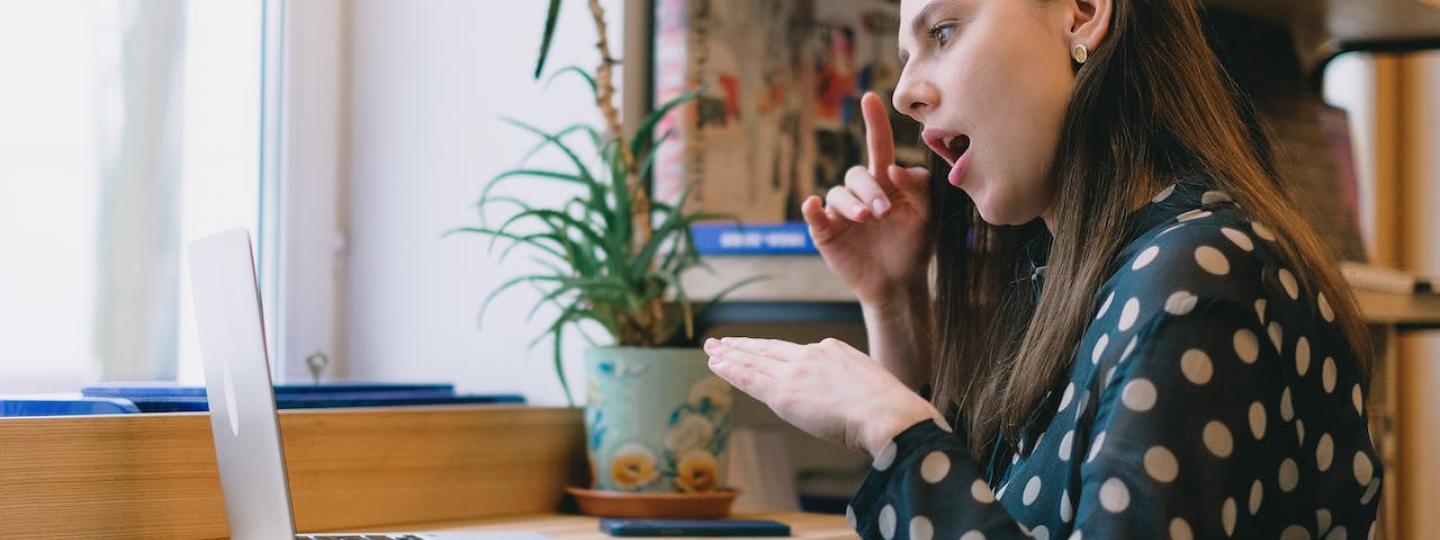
[{"x": 901, "y": 333}]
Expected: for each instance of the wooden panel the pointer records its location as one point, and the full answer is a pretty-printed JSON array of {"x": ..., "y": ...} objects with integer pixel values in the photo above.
[
  {"x": 1404, "y": 310},
  {"x": 154, "y": 475}
]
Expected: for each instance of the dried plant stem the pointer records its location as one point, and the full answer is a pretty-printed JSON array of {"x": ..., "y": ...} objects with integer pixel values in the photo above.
[{"x": 644, "y": 332}]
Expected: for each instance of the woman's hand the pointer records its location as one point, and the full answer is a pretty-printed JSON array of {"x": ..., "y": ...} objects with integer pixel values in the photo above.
[
  {"x": 874, "y": 231},
  {"x": 828, "y": 389}
]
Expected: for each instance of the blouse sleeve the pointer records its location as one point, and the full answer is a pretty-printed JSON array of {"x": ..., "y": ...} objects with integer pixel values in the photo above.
[{"x": 923, "y": 483}]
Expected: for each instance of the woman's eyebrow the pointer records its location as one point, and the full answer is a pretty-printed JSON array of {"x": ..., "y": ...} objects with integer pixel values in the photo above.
[{"x": 921, "y": 23}]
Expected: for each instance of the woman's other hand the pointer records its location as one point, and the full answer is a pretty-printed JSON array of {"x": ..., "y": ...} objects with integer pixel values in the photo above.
[
  {"x": 873, "y": 231},
  {"x": 827, "y": 389}
]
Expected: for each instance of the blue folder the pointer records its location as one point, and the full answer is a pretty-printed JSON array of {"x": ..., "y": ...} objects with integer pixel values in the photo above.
[
  {"x": 65, "y": 407},
  {"x": 162, "y": 397}
]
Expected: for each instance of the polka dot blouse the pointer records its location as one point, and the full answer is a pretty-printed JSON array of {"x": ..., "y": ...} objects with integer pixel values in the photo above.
[{"x": 1211, "y": 397}]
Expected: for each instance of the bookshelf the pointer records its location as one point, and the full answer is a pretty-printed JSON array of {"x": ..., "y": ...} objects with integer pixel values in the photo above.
[{"x": 1283, "y": 47}]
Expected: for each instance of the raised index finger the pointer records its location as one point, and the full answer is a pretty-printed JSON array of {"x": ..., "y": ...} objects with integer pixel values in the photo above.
[{"x": 879, "y": 138}]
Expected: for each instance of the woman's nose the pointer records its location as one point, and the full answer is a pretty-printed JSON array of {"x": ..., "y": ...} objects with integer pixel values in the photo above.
[{"x": 914, "y": 98}]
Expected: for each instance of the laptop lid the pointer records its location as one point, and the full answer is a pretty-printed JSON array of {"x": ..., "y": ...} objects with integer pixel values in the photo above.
[{"x": 237, "y": 382}]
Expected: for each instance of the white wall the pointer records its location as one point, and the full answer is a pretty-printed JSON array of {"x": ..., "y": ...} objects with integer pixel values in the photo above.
[{"x": 428, "y": 82}]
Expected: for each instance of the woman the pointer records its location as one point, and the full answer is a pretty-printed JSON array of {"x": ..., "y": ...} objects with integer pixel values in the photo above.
[{"x": 1131, "y": 333}]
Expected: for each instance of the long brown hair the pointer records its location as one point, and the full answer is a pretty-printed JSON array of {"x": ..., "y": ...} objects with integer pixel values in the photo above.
[{"x": 1151, "y": 106}]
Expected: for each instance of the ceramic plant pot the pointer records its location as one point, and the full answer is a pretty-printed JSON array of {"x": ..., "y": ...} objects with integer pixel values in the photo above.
[{"x": 656, "y": 420}]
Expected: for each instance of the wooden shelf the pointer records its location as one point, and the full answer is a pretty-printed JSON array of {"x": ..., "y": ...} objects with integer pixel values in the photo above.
[
  {"x": 1402, "y": 311},
  {"x": 807, "y": 279},
  {"x": 1325, "y": 28}
]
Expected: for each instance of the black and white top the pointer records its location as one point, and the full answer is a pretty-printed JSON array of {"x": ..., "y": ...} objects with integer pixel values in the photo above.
[{"x": 1211, "y": 397}]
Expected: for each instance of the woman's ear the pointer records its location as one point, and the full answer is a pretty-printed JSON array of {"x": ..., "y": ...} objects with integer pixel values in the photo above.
[{"x": 1087, "y": 21}]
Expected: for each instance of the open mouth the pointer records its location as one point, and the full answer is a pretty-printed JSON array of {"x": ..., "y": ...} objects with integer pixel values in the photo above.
[{"x": 948, "y": 145}]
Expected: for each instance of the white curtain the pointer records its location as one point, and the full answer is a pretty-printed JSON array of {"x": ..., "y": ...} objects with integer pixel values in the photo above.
[{"x": 140, "y": 151}]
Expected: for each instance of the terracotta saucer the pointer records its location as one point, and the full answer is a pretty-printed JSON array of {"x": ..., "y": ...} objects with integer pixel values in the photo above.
[{"x": 710, "y": 505}]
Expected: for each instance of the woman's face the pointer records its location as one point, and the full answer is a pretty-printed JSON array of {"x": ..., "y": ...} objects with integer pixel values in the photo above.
[{"x": 996, "y": 74}]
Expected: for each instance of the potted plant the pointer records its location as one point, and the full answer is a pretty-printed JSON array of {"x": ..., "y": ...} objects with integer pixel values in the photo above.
[{"x": 656, "y": 418}]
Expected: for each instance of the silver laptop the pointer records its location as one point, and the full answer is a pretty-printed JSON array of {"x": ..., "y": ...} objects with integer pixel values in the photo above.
[{"x": 242, "y": 403}]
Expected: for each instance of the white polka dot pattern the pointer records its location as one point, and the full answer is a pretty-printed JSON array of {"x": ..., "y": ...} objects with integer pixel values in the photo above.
[
  {"x": 1302, "y": 356},
  {"x": 1240, "y": 239},
  {"x": 935, "y": 467},
  {"x": 1139, "y": 395},
  {"x": 1287, "y": 280},
  {"x": 1067, "y": 510},
  {"x": 1114, "y": 496},
  {"x": 1289, "y": 475},
  {"x": 1161, "y": 464},
  {"x": 1263, "y": 231},
  {"x": 1364, "y": 469},
  {"x": 887, "y": 522},
  {"x": 1257, "y": 496},
  {"x": 1099, "y": 348},
  {"x": 1213, "y": 197},
  {"x": 1180, "y": 303},
  {"x": 1220, "y": 331},
  {"x": 1032, "y": 490},
  {"x": 1327, "y": 375},
  {"x": 1196, "y": 366},
  {"x": 1105, "y": 306},
  {"x": 1145, "y": 257},
  {"x": 1247, "y": 346},
  {"x": 1180, "y": 530},
  {"x": 1212, "y": 260},
  {"x": 1324, "y": 452},
  {"x": 1129, "y": 313},
  {"x": 886, "y": 457},
  {"x": 1194, "y": 215},
  {"x": 1217, "y": 439},
  {"x": 921, "y": 528},
  {"x": 981, "y": 492},
  {"x": 1257, "y": 420},
  {"x": 1287, "y": 407},
  {"x": 1227, "y": 515}
]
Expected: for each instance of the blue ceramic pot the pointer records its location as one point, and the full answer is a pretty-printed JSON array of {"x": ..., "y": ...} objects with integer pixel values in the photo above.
[{"x": 656, "y": 420}]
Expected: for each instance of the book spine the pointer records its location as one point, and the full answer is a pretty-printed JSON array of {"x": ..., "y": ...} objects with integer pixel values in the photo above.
[
  {"x": 792, "y": 238},
  {"x": 671, "y": 76}
]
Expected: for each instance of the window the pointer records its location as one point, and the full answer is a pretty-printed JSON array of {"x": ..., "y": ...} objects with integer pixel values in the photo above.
[{"x": 130, "y": 128}]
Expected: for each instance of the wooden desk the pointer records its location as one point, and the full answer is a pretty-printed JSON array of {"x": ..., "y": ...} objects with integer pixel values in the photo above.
[{"x": 462, "y": 467}]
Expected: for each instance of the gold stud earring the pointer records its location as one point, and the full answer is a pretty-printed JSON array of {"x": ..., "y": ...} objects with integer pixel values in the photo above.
[{"x": 1079, "y": 53}]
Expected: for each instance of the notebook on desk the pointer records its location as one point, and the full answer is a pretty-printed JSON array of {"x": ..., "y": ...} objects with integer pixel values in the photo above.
[
  {"x": 243, "y": 421},
  {"x": 160, "y": 397}
]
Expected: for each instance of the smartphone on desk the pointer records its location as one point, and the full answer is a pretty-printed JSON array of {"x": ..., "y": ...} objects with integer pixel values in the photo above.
[{"x": 693, "y": 527}]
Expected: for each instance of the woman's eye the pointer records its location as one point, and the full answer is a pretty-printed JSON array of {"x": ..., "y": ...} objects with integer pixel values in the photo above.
[{"x": 942, "y": 33}]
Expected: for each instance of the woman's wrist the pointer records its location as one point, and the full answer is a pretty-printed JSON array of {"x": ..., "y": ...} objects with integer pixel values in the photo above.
[
  {"x": 907, "y": 299},
  {"x": 899, "y": 333},
  {"x": 880, "y": 430}
]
